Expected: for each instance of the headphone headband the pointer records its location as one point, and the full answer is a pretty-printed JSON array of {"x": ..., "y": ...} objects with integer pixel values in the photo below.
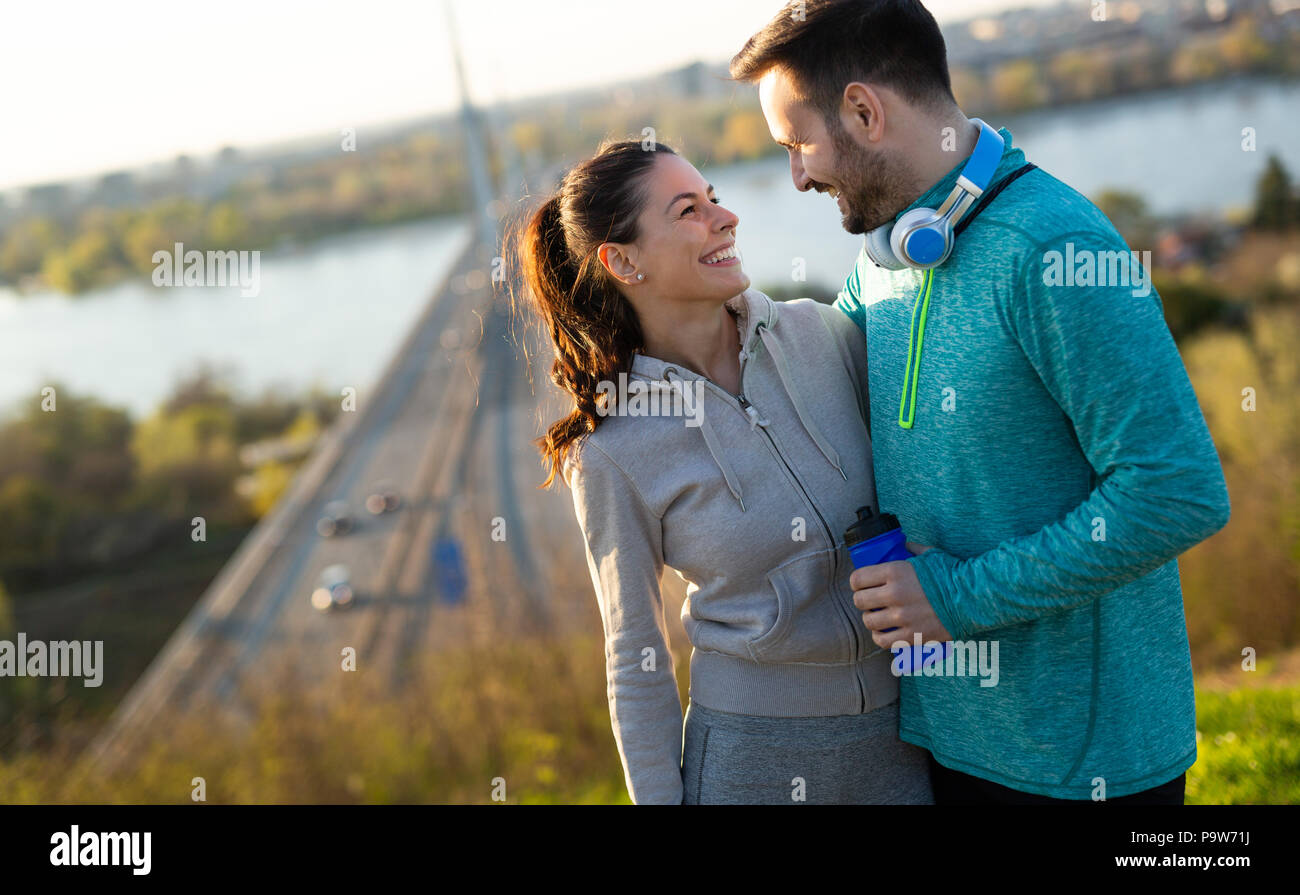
[{"x": 923, "y": 238}]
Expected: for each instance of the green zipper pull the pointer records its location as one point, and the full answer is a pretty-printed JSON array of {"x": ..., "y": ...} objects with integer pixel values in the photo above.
[{"x": 915, "y": 339}]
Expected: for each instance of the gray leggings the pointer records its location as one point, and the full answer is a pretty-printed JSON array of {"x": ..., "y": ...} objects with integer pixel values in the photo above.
[{"x": 732, "y": 759}]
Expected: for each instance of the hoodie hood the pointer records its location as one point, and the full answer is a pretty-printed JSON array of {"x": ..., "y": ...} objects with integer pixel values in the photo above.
[{"x": 756, "y": 317}]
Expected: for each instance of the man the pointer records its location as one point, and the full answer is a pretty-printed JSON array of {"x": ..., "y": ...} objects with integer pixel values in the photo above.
[{"x": 1031, "y": 419}]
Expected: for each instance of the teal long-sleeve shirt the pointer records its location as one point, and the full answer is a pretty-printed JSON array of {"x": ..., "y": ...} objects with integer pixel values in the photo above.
[{"x": 1059, "y": 462}]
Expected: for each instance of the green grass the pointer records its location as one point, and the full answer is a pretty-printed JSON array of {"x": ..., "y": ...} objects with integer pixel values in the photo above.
[
  {"x": 1248, "y": 747},
  {"x": 531, "y": 712}
]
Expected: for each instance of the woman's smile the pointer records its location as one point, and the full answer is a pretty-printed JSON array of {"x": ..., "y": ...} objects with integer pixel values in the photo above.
[{"x": 727, "y": 256}]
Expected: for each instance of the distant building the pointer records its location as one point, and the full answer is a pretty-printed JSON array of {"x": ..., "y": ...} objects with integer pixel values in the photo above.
[
  {"x": 47, "y": 198},
  {"x": 115, "y": 189}
]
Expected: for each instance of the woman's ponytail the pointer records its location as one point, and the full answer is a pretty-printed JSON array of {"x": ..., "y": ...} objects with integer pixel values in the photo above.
[{"x": 593, "y": 328}]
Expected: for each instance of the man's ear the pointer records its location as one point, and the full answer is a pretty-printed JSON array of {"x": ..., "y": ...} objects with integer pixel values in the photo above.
[
  {"x": 619, "y": 260},
  {"x": 863, "y": 113}
]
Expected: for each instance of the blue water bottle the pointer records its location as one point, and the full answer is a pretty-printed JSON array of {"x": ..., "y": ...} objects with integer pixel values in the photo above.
[{"x": 874, "y": 539}]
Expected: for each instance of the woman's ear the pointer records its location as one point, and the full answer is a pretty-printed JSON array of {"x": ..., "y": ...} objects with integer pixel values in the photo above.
[{"x": 618, "y": 260}]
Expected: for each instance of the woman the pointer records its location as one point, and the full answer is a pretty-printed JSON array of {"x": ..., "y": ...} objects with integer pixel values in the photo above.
[{"x": 744, "y": 483}]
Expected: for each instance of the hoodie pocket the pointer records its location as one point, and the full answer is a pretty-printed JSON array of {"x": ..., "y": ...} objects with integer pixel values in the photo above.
[{"x": 809, "y": 624}]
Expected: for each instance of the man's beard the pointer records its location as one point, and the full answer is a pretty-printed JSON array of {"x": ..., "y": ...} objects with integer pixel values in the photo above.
[{"x": 874, "y": 184}]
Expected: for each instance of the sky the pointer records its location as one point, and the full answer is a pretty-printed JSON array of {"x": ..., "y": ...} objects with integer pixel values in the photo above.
[{"x": 92, "y": 86}]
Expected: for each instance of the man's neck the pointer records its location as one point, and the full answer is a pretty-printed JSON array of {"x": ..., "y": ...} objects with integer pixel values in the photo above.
[{"x": 938, "y": 150}]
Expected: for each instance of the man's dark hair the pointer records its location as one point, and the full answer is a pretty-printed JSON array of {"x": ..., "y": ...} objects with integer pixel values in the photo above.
[{"x": 828, "y": 44}]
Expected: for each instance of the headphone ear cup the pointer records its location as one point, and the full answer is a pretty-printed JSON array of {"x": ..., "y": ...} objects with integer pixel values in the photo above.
[
  {"x": 880, "y": 251},
  {"x": 934, "y": 242}
]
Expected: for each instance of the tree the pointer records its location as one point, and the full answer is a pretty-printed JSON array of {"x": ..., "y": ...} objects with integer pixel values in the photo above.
[
  {"x": 81, "y": 265},
  {"x": 204, "y": 385},
  {"x": 1081, "y": 75},
  {"x": 1244, "y": 48},
  {"x": 1275, "y": 206},
  {"x": 745, "y": 136},
  {"x": 6, "y": 613},
  {"x": 969, "y": 89},
  {"x": 1128, "y": 212},
  {"x": 227, "y": 228},
  {"x": 26, "y": 244},
  {"x": 32, "y": 520},
  {"x": 1018, "y": 86},
  {"x": 1196, "y": 63}
]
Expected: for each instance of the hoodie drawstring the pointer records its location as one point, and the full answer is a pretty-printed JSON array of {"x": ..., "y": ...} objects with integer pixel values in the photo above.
[
  {"x": 755, "y": 420},
  {"x": 783, "y": 370},
  {"x": 715, "y": 449}
]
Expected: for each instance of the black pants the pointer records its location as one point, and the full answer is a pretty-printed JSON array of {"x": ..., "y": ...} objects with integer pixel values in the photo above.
[{"x": 955, "y": 788}]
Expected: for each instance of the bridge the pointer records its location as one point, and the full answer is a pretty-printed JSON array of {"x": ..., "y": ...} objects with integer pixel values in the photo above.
[{"x": 475, "y": 549}]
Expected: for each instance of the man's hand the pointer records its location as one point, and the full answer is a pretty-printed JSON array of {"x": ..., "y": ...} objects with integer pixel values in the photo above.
[{"x": 890, "y": 596}]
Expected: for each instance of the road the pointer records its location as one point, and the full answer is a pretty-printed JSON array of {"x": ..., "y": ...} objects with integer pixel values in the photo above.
[{"x": 475, "y": 549}]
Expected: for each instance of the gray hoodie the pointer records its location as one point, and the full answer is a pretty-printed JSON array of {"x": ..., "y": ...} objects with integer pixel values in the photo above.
[{"x": 747, "y": 500}]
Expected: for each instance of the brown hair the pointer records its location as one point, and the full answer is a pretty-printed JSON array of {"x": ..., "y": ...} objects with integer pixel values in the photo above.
[
  {"x": 594, "y": 329},
  {"x": 828, "y": 44}
]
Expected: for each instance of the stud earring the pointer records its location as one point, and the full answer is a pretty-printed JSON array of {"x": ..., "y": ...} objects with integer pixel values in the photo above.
[{"x": 640, "y": 276}]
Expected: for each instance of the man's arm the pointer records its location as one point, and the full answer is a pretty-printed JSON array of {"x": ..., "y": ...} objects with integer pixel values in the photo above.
[
  {"x": 1108, "y": 359},
  {"x": 850, "y": 298}
]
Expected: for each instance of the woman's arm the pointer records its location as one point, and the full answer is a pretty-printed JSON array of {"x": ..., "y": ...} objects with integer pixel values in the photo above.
[
  {"x": 625, "y": 556},
  {"x": 853, "y": 349}
]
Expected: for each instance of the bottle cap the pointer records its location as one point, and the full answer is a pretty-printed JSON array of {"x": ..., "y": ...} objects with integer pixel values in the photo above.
[{"x": 869, "y": 525}]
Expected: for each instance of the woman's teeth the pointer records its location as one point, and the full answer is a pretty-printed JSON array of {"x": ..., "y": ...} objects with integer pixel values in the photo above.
[{"x": 725, "y": 255}]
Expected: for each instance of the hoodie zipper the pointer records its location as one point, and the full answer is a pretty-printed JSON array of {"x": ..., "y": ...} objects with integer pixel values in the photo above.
[
  {"x": 745, "y": 405},
  {"x": 742, "y": 404},
  {"x": 835, "y": 550}
]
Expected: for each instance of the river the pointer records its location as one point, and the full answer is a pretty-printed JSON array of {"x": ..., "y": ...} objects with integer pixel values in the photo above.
[{"x": 336, "y": 311}]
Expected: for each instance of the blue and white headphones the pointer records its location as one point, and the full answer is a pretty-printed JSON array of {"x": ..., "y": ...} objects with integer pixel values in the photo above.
[{"x": 923, "y": 238}]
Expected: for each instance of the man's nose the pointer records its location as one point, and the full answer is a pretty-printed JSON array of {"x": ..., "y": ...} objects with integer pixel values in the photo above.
[{"x": 798, "y": 174}]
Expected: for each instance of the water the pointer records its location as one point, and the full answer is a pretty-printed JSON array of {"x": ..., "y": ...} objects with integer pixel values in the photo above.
[
  {"x": 334, "y": 313},
  {"x": 1181, "y": 151},
  {"x": 331, "y": 315}
]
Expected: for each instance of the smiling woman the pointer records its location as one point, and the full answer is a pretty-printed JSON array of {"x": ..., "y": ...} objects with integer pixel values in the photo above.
[{"x": 633, "y": 268}]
